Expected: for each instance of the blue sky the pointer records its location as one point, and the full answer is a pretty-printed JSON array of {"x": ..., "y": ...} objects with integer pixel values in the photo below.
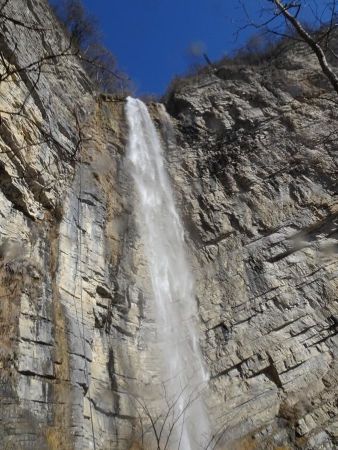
[{"x": 151, "y": 38}]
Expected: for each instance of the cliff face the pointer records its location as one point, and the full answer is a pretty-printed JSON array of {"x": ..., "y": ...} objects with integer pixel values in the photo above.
[
  {"x": 253, "y": 162},
  {"x": 255, "y": 170}
]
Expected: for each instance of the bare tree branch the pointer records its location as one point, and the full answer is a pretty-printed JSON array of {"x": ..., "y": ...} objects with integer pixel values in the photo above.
[{"x": 308, "y": 39}]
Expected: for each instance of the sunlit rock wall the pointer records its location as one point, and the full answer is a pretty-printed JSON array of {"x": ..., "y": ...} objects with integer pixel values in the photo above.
[
  {"x": 255, "y": 165},
  {"x": 253, "y": 160}
]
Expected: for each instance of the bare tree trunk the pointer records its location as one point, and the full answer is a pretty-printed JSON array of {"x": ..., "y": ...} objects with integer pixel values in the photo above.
[{"x": 308, "y": 39}]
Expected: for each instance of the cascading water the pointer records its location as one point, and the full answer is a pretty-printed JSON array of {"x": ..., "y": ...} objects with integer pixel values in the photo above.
[{"x": 172, "y": 282}]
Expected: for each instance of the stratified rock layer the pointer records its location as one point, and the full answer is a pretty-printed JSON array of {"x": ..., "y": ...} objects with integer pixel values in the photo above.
[
  {"x": 253, "y": 160},
  {"x": 255, "y": 169}
]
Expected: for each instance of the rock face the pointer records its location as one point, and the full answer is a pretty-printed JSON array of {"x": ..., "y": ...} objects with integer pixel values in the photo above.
[
  {"x": 253, "y": 160},
  {"x": 255, "y": 169}
]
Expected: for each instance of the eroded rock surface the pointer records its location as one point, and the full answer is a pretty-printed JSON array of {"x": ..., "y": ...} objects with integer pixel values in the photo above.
[
  {"x": 253, "y": 159},
  {"x": 255, "y": 168}
]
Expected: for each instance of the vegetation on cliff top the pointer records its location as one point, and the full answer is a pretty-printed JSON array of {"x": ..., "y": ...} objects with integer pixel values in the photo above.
[
  {"x": 85, "y": 35},
  {"x": 280, "y": 30}
]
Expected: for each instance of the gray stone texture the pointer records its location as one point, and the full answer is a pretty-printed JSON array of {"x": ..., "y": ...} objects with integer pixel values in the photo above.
[{"x": 252, "y": 156}]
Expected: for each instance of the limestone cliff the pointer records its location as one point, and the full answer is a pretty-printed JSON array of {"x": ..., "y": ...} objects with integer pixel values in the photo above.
[{"x": 252, "y": 156}]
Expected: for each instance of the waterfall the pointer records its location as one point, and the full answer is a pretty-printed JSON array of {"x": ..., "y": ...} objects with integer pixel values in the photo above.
[{"x": 172, "y": 283}]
